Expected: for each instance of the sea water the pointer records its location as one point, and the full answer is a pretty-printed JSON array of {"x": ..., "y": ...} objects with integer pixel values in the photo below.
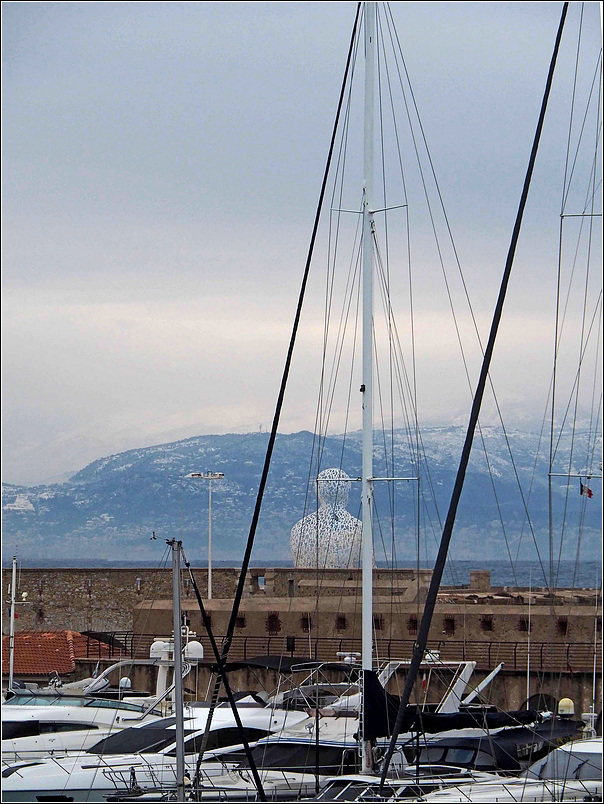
[{"x": 567, "y": 574}]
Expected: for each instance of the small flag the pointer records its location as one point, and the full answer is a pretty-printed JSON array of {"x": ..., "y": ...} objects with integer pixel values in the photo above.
[{"x": 586, "y": 491}]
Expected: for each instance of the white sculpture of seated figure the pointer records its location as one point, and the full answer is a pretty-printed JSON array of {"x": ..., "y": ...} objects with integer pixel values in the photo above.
[{"x": 329, "y": 536}]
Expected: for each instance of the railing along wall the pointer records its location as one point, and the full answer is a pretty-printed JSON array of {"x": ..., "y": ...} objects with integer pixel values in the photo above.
[{"x": 564, "y": 657}]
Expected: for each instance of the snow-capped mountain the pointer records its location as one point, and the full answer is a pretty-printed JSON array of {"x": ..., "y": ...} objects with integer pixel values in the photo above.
[{"x": 114, "y": 504}]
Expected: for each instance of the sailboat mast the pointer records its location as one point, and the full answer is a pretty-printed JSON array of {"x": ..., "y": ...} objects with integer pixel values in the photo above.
[
  {"x": 178, "y": 683},
  {"x": 367, "y": 368},
  {"x": 11, "y": 639}
]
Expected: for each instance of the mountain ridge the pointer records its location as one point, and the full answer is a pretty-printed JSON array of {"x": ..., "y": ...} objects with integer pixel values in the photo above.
[{"x": 115, "y": 503}]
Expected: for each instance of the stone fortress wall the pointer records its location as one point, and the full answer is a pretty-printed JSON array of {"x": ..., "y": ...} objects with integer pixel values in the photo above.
[
  {"x": 132, "y": 599},
  {"x": 301, "y": 612}
]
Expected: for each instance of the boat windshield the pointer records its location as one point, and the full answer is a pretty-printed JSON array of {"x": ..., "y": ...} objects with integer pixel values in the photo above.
[
  {"x": 316, "y": 696},
  {"x": 107, "y": 703},
  {"x": 27, "y": 699},
  {"x": 134, "y": 741},
  {"x": 13, "y": 729},
  {"x": 303, "y": 757},
  {"x": 143, "y": 739},
  {"x": 567, "y": 765},
  {"x": 20, "y": 699},
  {"x": 220, "y": 738}
]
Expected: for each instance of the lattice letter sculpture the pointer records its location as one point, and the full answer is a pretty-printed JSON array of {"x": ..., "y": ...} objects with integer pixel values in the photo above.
[{"x": 329, "y": 537}]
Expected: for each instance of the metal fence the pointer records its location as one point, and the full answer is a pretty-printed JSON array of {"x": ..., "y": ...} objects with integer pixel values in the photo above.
[{"x": 564, "y": 657}]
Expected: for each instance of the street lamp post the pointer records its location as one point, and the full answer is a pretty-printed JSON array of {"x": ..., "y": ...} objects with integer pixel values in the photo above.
[{"x": 209, "y": 476}]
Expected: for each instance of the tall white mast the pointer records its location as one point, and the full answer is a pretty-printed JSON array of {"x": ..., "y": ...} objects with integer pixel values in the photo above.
[
  {"x": 367, "y": 380},
  {"x": 367, "y": 377}
]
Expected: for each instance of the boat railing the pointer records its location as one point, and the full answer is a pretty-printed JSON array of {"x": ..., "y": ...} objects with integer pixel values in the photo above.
[
  {"x": 126, "y": 780},
  {"x": 110, "y": 644}
]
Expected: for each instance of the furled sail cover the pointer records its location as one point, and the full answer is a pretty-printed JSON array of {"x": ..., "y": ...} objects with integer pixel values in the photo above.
[
  {"x": 433, "y": 722},
  {"x": 380, "y": 708}
]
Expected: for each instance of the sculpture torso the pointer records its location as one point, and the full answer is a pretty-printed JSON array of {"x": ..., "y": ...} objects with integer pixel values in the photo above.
[{"x": 329, "y": 537}]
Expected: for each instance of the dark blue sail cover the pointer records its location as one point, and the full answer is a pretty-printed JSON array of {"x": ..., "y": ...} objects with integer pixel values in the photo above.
[{"x": 380, "y": 709}]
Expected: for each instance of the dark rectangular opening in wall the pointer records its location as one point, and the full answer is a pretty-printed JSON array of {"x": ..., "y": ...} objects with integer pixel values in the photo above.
[
  {"x": 486, "y": 622},
  {"x": 412, "y": 625},
  {"x": 523, "y": 625},
  {"x": 562, "y": 626},
  {"x": 449, "y": 625},
  {"x": 341, "y": 623},
  {"x": 291, "y": 588},
  {"x": 273, "y": 623},
  {"x": 240, "y": 621},
  {"x": 378, "y": 622},
  {"x": 290, "y": 644},
  {"x": 306, "y": 623}
]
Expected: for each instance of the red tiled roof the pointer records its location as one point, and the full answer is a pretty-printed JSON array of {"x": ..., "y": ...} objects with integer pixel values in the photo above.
[{"x": 38, "y": 653}]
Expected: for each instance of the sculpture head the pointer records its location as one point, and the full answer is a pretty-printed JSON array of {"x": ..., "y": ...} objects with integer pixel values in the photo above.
[{"x": 332, "y": 493}]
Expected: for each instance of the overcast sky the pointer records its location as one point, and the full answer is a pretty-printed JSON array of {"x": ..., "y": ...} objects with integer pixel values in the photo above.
[{"x": 161, "y": 166}]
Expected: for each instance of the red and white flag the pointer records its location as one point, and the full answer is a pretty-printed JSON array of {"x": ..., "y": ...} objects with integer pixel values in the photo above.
[{"x": 586, "y": 491}]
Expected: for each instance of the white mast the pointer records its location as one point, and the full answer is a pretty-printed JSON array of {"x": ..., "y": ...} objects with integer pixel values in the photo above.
[
  {"x": 367, "y": 376},
  {"x": 367, "y": 382},
  {"x": 11, "y": 638}
]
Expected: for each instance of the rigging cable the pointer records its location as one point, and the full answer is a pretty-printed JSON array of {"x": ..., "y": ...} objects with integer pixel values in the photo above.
[
  {"x": 395, "y": 40},
  {"x": 589, "y": 204},
  {"x": 422, "y": 639},
  {"x": 222, "y": 675},
  {"x": 226, "y": 644}
]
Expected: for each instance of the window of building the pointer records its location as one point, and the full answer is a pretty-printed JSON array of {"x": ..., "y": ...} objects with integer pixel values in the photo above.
[
  {"x": 291, "y": 587},
  {"x": 449, "y": 626},
  {"x": 273, "y": 623},
  {"x": 486, "y": 622},
  {"x": 290, "y": 644},
  {"x": 523, "y": 625},
  {"x": 306, "y": 623},
  {"x": 562, "y": 626},
  {"x": 378, "y": 622},
  {"x": 341, "y": 623},
  {"x": 240, "y": 621},
  {"x": 412, "y": 625}
]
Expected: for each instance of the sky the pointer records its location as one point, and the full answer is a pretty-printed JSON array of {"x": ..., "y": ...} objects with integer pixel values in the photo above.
[{"x": 161, "y": 168}]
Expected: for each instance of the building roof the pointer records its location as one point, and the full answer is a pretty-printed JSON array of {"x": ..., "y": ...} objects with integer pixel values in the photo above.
[{"x": 38, "y": 653}]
